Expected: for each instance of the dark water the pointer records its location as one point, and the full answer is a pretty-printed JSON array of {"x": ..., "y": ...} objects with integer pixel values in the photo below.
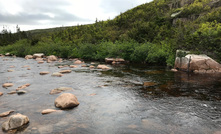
[{"x": 176, "y": 103}]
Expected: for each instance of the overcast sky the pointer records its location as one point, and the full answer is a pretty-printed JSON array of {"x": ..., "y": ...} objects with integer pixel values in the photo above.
[{"x": 35, "y": 14}]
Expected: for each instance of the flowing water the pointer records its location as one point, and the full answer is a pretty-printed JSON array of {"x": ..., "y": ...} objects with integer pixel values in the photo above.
[{"x": 128, "y": 99}]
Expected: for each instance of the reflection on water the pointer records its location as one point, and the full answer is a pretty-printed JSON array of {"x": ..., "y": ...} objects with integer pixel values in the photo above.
[{"x": 114, "y": 101}]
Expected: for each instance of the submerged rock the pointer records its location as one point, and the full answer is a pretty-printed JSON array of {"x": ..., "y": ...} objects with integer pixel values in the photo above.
[
  {"x": 15, "y": 121},
  {"x": 12, "y": 92},
  {"x": 7, "y": 85},
  {"x": 23, "y": 86},
  {"x": 48, "y": 111},
  {"x": 66, "y": 100},
  {"x": 44, "y": 72},
  {"x": 65, "y": 71},
  {"x": 10, "y": 70},
  {"x": 57, "y": 74},
  {"x": 60, "y": 89},
  {"x": 6, "y": 113},
  {"x": 20, "y": 92},
  {"x": 104, "y": 67}
]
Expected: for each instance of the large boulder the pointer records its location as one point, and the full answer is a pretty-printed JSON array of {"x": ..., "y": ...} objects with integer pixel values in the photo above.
[
  {"x": 66, "y": 100},
  {"x": 15, "y": 121},
  {"x": 38, "y": 55},
  {"x": 196, "y": 63}
]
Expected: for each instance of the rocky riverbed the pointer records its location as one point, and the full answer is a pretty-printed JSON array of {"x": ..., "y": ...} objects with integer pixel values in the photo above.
[{"x": 120, "y": 99}]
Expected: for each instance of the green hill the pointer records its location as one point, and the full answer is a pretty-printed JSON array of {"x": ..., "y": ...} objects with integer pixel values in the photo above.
[{"x": 149, "y": 33}]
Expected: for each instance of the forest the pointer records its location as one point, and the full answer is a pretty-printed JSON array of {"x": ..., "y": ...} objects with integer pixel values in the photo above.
[{"x": 150, "y": 33}]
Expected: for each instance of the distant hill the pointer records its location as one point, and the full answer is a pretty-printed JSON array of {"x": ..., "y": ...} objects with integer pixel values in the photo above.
[{"x": 169, "y": 24}]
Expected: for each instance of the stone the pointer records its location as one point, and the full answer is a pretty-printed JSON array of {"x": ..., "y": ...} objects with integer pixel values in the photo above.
[
  {"x": 92, "y": 67},
  {"x": 60, "y": 89},
  {"x": 60, "y": 66},
  {"x": 174, "y": 70},
  {"x": 25, "y": 66},
  {"x": 57, "y": 74},
  {"x": 66, "y": 100},
  {"x": 20, "y": 92},
  {"x": 7, "y": 54},
  {"x": 114, "y": 60},
  {"x": 73, "y": 66},
  {"x": 65, "y": 71},
  {"x": 84, "y": 65},
  {"x": 15, "y": 121},
  {"x": 104, "y": 67},
  {"x": 28, "y": 57},
  {"x": 192, "y": 62},
  {"x": 12, "y": 66},
  {"x": 48, "y": 111},
  {"x": 10, "y": 70},
  {"x": 7, "y": 85},
  {"x": 12, "y": 92},
  {"x": 149, "y": 84},
  {"x": 44, "y": 72},
  {"x": 78, "y": 62},
  {"x": 6, "y": 113},
  {"x": 52, "y": 58},
  {"x": 23, "y": 86},
  {"x": 28, "y": 68},
  {"x": 40, "y": 62},
  {"x": 1, "y": 93},
  {"x": 38, "y": 55}
]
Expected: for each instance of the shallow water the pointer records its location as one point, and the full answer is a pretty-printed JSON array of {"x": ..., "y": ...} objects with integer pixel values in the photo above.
[{"x": 114, "y": 101}]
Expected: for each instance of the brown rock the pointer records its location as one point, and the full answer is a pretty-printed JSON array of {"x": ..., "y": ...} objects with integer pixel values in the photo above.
[
  {"x": 60, "y": 66},
  {"x": 39, "y": 59},
  {"x": 60, "y": 89},
  {"x": 12, "y": 92},
  {"x": 28, "y": 68},
  {"x": 23, "y": 86},
  {"x": 15, "y": 121},
  {"x": 48, "y": 111},
  {"x": 40, "y": 62},
  {"x": 174, "y": 70},
  {"x": 57, "y": 74},
  {"x": 149, "y": 84},
  {"x": 6, "y": 113},
  {"x": 66, "y": 100},
  {"x": 92, "y": 67},
  {"x": 78, "y": 62},
  {"x": 25, "y": 66},
  {"x": 12, "y": 66},
  {"x": 1, "y": 93},
  {"x": 28, "y": 57},
  {"x": 65, "y": 71},
  {"x": 7, "y": 85},
  {"x": 44, "y": 73},
  {"x": 73, "y": 66},
  {"x": 104, "y": 67},
  {"x": 10, "y": 70},
  {"x": 52, "y": 58},
  {"x": 84, "y": 65}
]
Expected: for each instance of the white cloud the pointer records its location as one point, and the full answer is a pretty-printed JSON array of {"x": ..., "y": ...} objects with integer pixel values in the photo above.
[{"x": 32, "y": 14}]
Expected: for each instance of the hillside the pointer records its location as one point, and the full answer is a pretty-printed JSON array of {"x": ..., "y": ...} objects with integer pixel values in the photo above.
[{"x": 149, "y": 33}]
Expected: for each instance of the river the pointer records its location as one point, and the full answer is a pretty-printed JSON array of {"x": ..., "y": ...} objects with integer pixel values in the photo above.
[{"x": 128, "y": 99}]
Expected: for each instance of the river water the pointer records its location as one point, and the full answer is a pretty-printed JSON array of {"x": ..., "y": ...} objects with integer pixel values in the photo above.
[{"x": 116, "y": 101}]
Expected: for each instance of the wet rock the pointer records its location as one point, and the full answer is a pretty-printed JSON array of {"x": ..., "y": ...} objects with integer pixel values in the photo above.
[
  {"x": 66, "y": 66},
  {"x": 20, "y": 92},
  {"x": 60, "y": 89},
  {"x": 40, "y": 62},
  {"x": 57, "y": 74},
  {"x": 66, "y": 100},
  {"x": 73, "y": 66},
  {"x": 44, "y": 72},
  {"x": 1, "y": 93},
  {"x": 28, "y": 57},
  {"x": 12, "y": 66},
  {"x": 49, "y": 61},
  {"x": 23, "y": 86},
  {"x": 25, "y": 66},
  {"x": 104, "y": 67},
  {"x": 38, "y": 55},
  {"x": 84, "y": 65},
  {"x": 52, "y": 58},
  {"x": 48, "y": 111},
  {"x": 12, "y": 92},
  {"x": 6, "y": 113},
  {"x": 114, "y": 60},
  {"x": 39, "y": 59},
  {"x": 174, "y": 70},
  {"x": 10, "y": 70},
  {"x": 65, "y": 71},
  {"x": 7, "y": 85},
  {"x": 93, "y": 94},
  {"x": 78, "y": 62},
  {"x": 92, "y": 67},
  {"x": 149, "y": 84},
  {"x": 15, "y": 121},
  {"x": 28, "y": 68},
  {"x": 60, "y": 66}
]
